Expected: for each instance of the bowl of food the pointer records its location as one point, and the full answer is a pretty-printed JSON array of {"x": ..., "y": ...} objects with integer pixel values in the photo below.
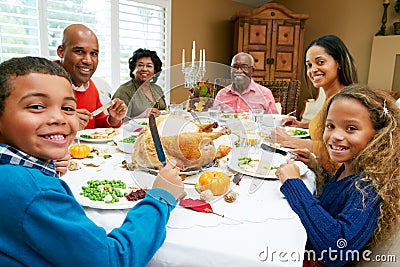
[{"x": 126, "y": 144}]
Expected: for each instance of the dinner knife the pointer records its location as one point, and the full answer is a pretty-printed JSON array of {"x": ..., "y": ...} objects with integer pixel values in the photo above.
[
  {"x": 277, "y": 150},
  {"x": 157, "y": 140},
  {"x": 101, "y": 109}
]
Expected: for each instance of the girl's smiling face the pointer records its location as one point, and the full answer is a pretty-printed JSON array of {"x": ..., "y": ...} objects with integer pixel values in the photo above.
[
  {"x": 348, "y": 129},
  {"x": 39, "y": 116}
]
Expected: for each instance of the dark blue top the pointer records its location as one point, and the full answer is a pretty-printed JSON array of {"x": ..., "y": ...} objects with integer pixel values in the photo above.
[{"x": 341, "y": 221}]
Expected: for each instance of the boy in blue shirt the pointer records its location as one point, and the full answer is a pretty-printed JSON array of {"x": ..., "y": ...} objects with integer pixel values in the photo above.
[{"x": 42, "y": 224}]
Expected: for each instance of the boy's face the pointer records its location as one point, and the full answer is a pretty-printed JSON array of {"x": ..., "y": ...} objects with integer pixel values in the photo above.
[{"x": 39, "y": 116}]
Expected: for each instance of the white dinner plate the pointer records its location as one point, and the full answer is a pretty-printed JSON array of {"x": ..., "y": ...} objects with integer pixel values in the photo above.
[
  {"x": 291, "y": 129},
  {"x": 138, "y": 179},
  {"x": 92, "y": 140},
  {"x": 263, "y": 166}
]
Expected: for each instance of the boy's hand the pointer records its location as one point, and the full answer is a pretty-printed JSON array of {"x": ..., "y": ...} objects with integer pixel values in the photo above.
[
  {"x": 168, "y": 179},
  {"x": 62, "y": 164}
]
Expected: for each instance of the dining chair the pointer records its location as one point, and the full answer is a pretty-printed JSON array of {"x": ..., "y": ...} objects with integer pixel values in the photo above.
[
  {"x": 285, "y": 92},
  {"x": 313, "y": 106},
  {"x": 220, "y": 83}
]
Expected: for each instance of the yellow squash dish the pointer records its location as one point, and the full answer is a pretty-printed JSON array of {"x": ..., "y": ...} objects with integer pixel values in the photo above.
[
  {"x": 79, "y": 151},
  {"x": 216, "y": 181}
]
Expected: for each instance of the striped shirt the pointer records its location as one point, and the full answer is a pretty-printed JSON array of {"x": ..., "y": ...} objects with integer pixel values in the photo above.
[{"x": 13, "y": 156}]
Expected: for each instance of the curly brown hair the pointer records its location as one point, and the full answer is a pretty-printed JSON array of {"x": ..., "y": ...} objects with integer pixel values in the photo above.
[{"x": 379, "y": 160}]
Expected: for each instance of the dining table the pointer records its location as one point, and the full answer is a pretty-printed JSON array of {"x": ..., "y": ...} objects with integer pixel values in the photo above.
[{"x": 258, "y": 229}]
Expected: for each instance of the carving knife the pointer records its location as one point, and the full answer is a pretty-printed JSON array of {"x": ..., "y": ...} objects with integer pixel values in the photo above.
[
  {"x": 101, "y": 109},
  {"x": 157, "y": 140}
]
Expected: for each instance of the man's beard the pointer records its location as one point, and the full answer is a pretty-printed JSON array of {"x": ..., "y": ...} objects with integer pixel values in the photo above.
[{"x": 240, "y": 82}]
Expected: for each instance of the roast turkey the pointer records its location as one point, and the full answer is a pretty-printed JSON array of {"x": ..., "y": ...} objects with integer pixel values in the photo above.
[{"x": 190, "y": 144}]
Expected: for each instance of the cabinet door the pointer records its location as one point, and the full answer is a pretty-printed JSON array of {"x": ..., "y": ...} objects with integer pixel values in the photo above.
[
  {"x": 275, "y": 45},
  {"x": 259, "y": 46},
  {"x": 284, "y": 50}
]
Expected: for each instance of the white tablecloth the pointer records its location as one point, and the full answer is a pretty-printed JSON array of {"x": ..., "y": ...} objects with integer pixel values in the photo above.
[{"x": 259, "y": 229}]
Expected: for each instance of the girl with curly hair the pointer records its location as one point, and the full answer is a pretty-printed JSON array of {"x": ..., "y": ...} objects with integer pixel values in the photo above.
[{"x": 359, "y": 205}]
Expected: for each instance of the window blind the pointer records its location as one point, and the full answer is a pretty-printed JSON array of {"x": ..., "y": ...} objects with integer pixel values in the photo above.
[{"x": 35, "y": 27}]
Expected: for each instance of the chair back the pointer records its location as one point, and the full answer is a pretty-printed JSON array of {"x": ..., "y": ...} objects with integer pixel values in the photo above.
[
  {"x": 220, "y": 83},
  {"x": 285, "y": 92}
]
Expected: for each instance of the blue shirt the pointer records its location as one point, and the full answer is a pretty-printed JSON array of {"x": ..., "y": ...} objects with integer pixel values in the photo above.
[
  {"x": 342, "y": 219},
  {"x": 43, "y": 225}
]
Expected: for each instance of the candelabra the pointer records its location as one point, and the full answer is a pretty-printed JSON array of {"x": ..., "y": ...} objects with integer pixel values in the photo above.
[
  {"x": 193, "y": 73},
  {"x": 382, "y": 31}
]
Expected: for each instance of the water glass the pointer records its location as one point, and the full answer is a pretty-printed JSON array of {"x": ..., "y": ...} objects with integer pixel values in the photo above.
[
  {"x": 249, "y": 141},
  {"x": 176, "y": 109},
  {"x": 258, "y": 114},
  {"x": 214, "y": 113}
]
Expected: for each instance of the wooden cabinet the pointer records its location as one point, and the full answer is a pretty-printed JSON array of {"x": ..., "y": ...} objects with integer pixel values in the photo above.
[{"x": 273, "y": 35}]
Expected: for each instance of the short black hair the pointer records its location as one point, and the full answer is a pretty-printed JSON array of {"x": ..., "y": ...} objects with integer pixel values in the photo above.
[
  {"x": 141, "y": 53},
  {"x": 21, "y": 66}
]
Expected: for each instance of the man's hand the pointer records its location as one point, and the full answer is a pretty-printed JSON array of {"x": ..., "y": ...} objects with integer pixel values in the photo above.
[
  {"x": 84, "y": 116},
  {"x": 117, "y": 111}
]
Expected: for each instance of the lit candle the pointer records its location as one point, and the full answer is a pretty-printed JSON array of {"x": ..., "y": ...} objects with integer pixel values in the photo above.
[
  {"x": 183, "y": 58},
  {"x": 204, "y": 58},
  {"x": 386, "y": 1}
]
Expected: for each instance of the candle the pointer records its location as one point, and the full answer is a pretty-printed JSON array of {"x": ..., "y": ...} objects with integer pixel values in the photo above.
[
  {"x": 193, "y": 57},
  {"x": 386, "y": 1},
  {"x": 200, "y": 57},
  {"x": 183, "y": 58},
  {"x": 194, "y": 46},
  {"x": 204, "y": 58}
]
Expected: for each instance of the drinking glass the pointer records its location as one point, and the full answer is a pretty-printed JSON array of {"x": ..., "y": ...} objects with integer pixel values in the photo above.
[
  {"x": 176, "y": 109},
  {"x": 258, "y": 114},
  {"x": 214, "y": 113}
]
